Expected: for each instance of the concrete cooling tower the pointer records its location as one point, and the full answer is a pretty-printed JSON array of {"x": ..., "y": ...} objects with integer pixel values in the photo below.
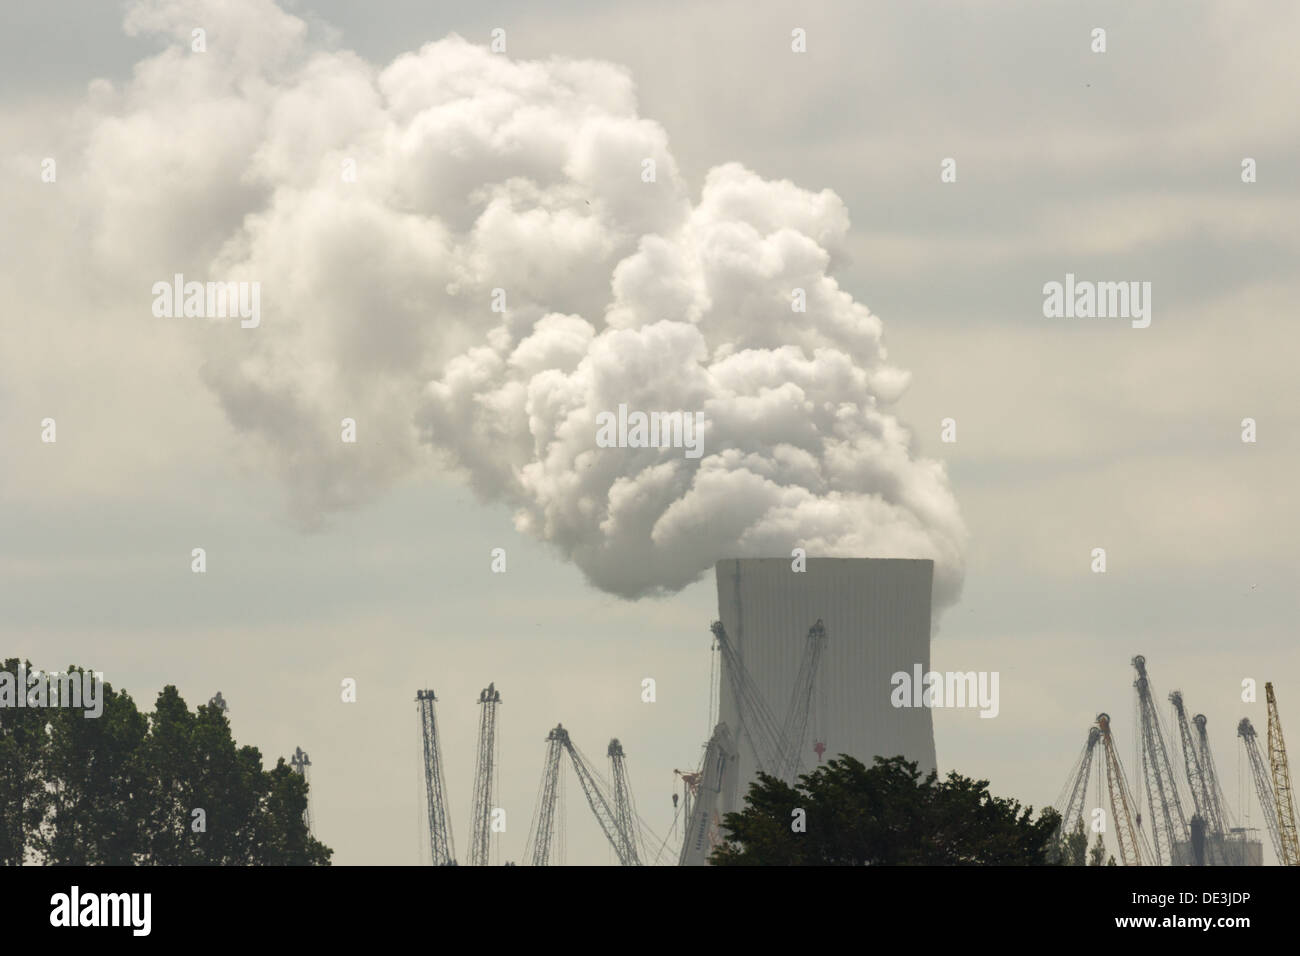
[{"x": 876, "y": 616}]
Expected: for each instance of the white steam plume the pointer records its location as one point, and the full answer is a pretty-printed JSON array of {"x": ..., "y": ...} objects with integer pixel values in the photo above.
[{"x": 476, "y": 172}]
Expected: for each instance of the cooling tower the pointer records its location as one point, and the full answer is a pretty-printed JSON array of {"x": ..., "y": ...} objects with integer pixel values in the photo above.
[{"x": 876, "y": 614}]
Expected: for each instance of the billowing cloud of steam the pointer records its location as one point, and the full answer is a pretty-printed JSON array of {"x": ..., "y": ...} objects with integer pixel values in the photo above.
[{"x": 476, "y": 172}]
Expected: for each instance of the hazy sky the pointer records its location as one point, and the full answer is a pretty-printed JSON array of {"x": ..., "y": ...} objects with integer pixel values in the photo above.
[{"x": 1072, "y": 434}]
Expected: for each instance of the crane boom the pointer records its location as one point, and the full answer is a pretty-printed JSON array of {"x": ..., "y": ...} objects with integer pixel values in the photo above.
[
  {"x": 435, "y": 791},
  {"x": 624, "y": 810},
  {"x": 1263, "y": 782},
  {"x": 765, "y": 740},
  {"x": 1218, "y": 802},
  {"x": 795, "y": 730},
  {"x": 537, "y": 847},
  {"x": 1282, "y": 796},
  {"x": 1192, "y": 763},
  {"x": 777, "y": 748},
  {"x": 1072, "y": 808},
  {"x": 1198, "y": 781},
  {"x": 484, "y": 776},
  {"x": 1158, "y": 772},
  {"x": 605, "y": 816},
  {"x": 1130, "y": 847}
]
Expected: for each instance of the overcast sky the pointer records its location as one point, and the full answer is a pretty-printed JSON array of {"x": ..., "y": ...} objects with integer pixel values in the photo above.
[{"x": 1072, "y": 434}]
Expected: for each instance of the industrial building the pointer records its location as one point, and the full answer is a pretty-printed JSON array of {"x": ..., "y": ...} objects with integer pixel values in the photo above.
[{"x": 876, "y": 618}]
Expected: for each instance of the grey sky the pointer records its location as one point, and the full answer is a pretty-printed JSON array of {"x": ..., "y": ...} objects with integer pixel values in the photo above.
[{"x": 1072, "y": 434}]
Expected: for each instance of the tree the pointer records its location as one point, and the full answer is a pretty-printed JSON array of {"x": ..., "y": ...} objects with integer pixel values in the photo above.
[
  {"x": 1097, "y": 855},
  {"x": 1070, "y": 849},
  {"x": 123, "y": 788},
  {"x": 887, "y": 814}
]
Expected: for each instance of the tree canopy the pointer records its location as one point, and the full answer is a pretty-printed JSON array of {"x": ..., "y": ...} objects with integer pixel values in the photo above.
[
  {"x": 886, "y": 814},
  {"x": 121, "y": 789}
]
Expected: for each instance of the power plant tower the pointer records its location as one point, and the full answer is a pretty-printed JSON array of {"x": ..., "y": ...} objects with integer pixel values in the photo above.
[
  {"x": 484, "y": 776},
  {"x": 435, "y": 791},
  {"x": 826, "y": 640}
]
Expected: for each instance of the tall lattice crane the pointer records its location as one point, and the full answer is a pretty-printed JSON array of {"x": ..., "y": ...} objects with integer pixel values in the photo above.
[
  {"x": 484, "y": 776},
  {"x": 1218, "y": 802},
  {"x": 624, "y": 841},
  {"x": 1199, "y": 782},
  {"x": 1263, "y": 782},
  {"x": 1071, "y": 806},
  {"x": 778, "y": 747},
  {"x": 1282, "y": 796},
  {"x": 440, "y": 839},
  {"x": 624, "y": 808},
  {"x": 1169, "y": 829},
  {"x": 794, "y": 732},
  {"x": 537, "y": 848},
  {"x": 1132, "y": 849}
]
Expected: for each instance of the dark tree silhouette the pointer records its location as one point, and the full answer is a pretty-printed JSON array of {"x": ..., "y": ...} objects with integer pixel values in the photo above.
[
  {"x": 887, "y": 814},
  {"x": 122, "y": 788}
]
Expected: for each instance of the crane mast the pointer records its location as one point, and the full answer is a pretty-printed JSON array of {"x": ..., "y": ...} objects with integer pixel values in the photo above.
[
  {"x": 1072, "y": 808},
  {"x": 765, "y": 739},
  {"x": 538, "y": 846},
  {"x": 1218, "y": 803},
  {"x": 1198, "y": 782},
  {"x": 484, "y": 776},
  {"x": 718, "y": 755},
  {"x": 435, "y": 791},
  {"x": 624, "y": 845},
  {"x": 795, "y": 730},
  {"x": 1169, "y": 829},
  {"x": 1282, "y": 796},
  {"x": 1130, "y": 847},
  {"x": 624, "y": 809},
  {"x": 618, "y": 823},
  {"x": 777, "y": 747},
  {"x": 1263, "y": 782}
]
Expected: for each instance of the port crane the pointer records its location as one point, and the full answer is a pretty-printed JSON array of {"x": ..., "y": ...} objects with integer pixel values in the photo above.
[
  {"x": 1169, "y": 829},
  {"x": 484, "y": 776},
  {"x": 1199, "y": 781},
  {"x": 1132, "y": 850},
  {"x": 435, "y": 790},
  {"x": 1263, "y": 782},
  {"x": 1283, "y": 799},
  {"x": 1071, "y": 807},
  {"x": 616, "y": 821},
  {"x": 777, "y": 747}
]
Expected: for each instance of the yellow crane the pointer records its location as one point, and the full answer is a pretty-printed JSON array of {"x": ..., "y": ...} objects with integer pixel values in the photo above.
[
  {"x": 1128, "y": 836},
  {"x": 1282, "y": 796}
]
